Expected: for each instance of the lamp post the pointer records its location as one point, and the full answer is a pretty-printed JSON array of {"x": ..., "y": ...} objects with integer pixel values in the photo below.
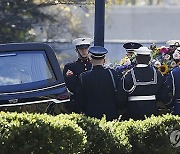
[{"x": 99, "y": 23}]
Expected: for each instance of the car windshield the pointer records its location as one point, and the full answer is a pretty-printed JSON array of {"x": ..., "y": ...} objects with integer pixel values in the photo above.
[{"x": 24, "y": 67}]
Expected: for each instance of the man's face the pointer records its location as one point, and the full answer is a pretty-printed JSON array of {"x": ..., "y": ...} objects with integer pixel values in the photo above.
[
  {"x": 129, "y": 54},
  {"x": 172, "y": 48},
  {"x": 83, "y": 52}
]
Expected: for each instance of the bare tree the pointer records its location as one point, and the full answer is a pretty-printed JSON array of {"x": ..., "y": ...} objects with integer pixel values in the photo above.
[
  {"x": 67, "y": 24},
  {"x": 132, "y": 2},
  {"x": 150, "y": 2},
  {"x": 18, "y": 18}
]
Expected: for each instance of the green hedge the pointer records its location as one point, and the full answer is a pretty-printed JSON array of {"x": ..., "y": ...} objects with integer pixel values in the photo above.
[
  {"x": 151, "y": 136},
  {"x": 39, "y": 134},
  {"x": 99, "y": 141},
  {"x": 77, "y": 134}
]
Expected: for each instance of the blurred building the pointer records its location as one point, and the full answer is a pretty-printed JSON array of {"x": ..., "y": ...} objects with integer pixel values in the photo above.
[
  {"x": 139, "y": 23},
  {"x": 143, "y": 24},
  {"x": 147, "y": 22}
]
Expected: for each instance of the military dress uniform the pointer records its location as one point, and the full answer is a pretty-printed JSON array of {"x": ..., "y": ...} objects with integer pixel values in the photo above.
[
  {"x": 143, "y": 87},
  {"x": 173, "y": 83},
  {"x": 72, "y": 71},
  {"x": 96, "y": 93},
  {"x": 173, "y": 43},
  {"x": 129, "y": 47}
]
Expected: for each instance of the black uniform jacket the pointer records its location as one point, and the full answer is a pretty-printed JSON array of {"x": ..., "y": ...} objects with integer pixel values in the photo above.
[
  {"x": 72, "y": 71},
  {"x": 96, "y": 93},
  {"x": 71, "y": 74},
  {"x": 143, "y": 86},
  {"x": 173, "y": 83}
]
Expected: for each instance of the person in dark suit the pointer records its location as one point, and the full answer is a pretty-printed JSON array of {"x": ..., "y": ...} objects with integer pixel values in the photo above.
[
  {"x": 72, "y": 70},
  {"x": 144, "y": 86},
  {"x": 97, "y": 93},
  {"x": 173, "y": 84}
]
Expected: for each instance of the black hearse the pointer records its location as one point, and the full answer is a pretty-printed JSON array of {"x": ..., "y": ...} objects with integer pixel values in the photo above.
[{"x": 30, "y": 74}]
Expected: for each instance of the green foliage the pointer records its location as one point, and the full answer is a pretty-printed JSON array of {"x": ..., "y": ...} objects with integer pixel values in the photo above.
[
  {"x": 148, "y": 136},
  {"x": 17, "y": 19},
  {"x": 114, "y": 2},
  {"x": 76, "y": 133},
  {"x": 28, "y": 133},
  {"x": 98, "y": 139},
  {"x": 26, "y": 20}
]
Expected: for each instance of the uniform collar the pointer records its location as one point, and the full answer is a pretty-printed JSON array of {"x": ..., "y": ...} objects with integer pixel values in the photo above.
[
  {"x": 97, "y": 67},
  {"x": 141, "y": 65},
  {"x": 83, "y": 60}
]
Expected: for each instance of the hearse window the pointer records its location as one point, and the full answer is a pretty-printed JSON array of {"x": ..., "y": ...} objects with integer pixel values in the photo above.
[{"x": 24, "y": 67}]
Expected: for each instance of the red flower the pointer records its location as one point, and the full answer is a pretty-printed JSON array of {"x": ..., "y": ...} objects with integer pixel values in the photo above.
[{"x": 163, "y": 50}]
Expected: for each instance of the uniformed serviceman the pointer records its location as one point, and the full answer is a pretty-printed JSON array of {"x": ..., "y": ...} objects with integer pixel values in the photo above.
[
  {"x": 128, "y": 61},
  {"x": 173, "y": 83},
  {"x": 173, "y": 44},
  {"x": 143, "y": 85},
  {"x": 130, "y": 47},
  {"x": 72, "y": 70},
  {"x": 97, "y": 93}
]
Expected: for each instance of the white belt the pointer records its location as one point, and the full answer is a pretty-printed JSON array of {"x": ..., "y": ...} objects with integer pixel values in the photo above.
[
  {"x": 178, "y": 100},
  {"x": 142, "y": 98}
]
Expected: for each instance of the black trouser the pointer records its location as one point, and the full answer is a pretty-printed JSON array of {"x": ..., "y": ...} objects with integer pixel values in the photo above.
[{"x": 71, "y": 106}]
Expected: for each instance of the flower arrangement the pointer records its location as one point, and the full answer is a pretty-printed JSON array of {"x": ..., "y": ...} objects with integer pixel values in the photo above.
[
  {"x": 165, "y": 58},
  {"x": 124, "y": 65},
  {"x": 121, "y": 66}
]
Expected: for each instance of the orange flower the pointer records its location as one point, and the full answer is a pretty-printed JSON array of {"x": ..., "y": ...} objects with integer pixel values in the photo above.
[{"x": 163, "y": 69}]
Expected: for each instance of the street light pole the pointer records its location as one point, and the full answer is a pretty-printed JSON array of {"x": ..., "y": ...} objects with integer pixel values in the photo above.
[{"x": 99, "y": 23}]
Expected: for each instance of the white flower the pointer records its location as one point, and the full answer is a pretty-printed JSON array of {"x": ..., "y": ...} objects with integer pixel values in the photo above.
[
  {"x": 157, "y": 64},
  {"x": 176, "y": 55},
  {"x": 127, "y": 62},
  {"x": 173, "y": 63},
  {"x": 167, "y": 57}
]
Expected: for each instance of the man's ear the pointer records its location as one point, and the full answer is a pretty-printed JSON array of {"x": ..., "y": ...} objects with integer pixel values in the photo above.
[
  {"x": 91, "y": 60},
  {"x": 104, "y": 61},
  {"x": 76, "y": 50}
]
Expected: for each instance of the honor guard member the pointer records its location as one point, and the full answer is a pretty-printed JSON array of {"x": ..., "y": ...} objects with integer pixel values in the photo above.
[
  {"x": 130, "y": 47},
  {"x": 129, "y": 60},
  {"x": 173, "y": 44},
  {"x": 173, "y": 83},
  {"x": 142, "y": 85},
  {"x": 72, "y": 70},
  {"x": 96, "y": 94}
]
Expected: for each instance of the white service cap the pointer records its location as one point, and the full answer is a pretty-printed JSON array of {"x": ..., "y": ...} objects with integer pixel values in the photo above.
[
  {"x": 173, "y": 42},
  {"x": 82, "y": 41},
  {"x": 143, "y": 51}
]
